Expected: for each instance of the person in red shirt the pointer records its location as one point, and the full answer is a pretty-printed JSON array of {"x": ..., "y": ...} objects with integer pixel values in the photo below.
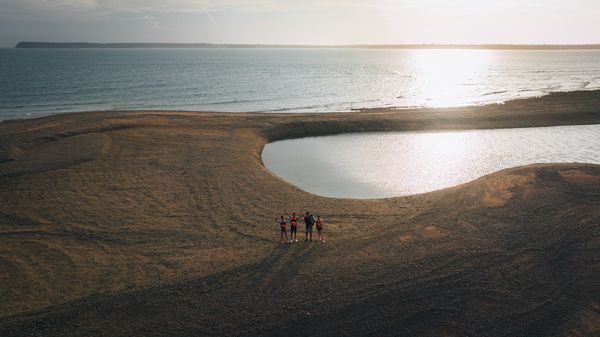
[
  {"x": 320, "y": 229},
  {"x": 293, "y": 227}
]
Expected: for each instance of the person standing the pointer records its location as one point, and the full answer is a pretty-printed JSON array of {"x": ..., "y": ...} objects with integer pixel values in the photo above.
[
  {"x": 293, "y": 227},
  {"x": 320, "y": 229},
  {"x": 283, "y": 225},
  {"x": 309, "y": 221}
]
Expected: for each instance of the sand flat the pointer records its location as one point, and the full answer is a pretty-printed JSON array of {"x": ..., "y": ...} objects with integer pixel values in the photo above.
[{"x": 161, "y": 223}]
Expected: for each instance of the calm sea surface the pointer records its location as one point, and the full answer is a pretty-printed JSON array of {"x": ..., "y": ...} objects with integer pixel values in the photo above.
[
  {"x": 36, "y": 82},
  {"x": 379, "y": 165}
]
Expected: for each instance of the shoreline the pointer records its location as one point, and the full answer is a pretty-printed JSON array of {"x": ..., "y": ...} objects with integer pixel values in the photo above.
[
  {"x": 483, "y": 106},
  {"x": 150, "y": 222}
]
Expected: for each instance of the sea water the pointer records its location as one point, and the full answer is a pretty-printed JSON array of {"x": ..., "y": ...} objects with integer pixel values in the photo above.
[
  {"x": 38, "y": 82},
  {"x": 379, "y": 165}
]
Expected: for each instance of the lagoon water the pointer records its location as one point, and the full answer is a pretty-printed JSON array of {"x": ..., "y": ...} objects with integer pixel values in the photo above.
[
  {"x": 379, "y": 165},
  {"x": 37, "y": 82}
]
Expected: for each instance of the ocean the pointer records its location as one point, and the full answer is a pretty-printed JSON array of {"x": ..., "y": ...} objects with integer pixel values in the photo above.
[{"x": 38, "y": 82}]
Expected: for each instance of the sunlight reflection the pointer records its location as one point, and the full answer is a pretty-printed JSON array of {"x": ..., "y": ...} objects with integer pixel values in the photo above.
[
  {"x": 444, "y": 144},
  {"x": 445, "y": 77},
  {"x": 437, "y": 156}
]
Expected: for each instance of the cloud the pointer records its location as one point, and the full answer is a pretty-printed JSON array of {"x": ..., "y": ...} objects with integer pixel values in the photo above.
[
  {"x": 202, "y": 6},
  {"x": 458, "y": 9},
  {"x": 152, "y": 21},
  {"x": 186, "y": 6},
  {"x": 141, "y": 6},
  {"x": 177, "y": 6},
  {"x": 75, "y": 5}
]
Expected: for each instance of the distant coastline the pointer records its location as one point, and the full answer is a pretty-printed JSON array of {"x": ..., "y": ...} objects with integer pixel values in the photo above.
[{"x": 374, "y": 46}]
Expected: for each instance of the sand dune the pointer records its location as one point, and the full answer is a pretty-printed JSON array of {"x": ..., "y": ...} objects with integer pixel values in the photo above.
[{"x": 160, "y": 223}]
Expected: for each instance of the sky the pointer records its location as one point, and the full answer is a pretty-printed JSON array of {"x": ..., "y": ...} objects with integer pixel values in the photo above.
[{"x": 302, "y": 21}]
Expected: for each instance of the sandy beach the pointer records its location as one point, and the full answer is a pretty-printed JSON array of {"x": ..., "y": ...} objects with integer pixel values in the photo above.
[{"x": 160, "y": 223}]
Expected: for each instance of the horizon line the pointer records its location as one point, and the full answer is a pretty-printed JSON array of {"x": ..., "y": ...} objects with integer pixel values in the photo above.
[{"x": 544, "y": 46}]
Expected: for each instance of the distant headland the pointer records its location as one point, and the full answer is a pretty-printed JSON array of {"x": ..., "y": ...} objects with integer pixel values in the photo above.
[{"x": 374, "y": 46}]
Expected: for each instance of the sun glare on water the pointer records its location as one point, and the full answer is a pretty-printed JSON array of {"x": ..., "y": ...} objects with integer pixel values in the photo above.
[
  {"x": 436, "y": 156},
  {"x": 433, "y": 156},
  {"x": 446, "y": 77}
]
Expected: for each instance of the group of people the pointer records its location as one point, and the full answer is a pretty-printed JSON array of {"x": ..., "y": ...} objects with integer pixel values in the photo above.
[{"x": 309, "y": 220}]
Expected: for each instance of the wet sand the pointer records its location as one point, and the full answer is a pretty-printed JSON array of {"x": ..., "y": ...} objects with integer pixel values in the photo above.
[{"x": 162, "y": 223}]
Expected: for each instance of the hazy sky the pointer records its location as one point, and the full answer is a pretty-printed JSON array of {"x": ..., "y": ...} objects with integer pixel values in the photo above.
[{"x": 301, "y": 21}]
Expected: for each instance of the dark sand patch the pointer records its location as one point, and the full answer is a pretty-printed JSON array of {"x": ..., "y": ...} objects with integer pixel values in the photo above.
[{"x": 55, "y": 153}]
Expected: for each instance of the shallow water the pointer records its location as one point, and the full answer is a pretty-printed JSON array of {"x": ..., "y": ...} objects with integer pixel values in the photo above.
[
  {"x": 37, "y": 82},
  {"x": 379, "y": 165}
]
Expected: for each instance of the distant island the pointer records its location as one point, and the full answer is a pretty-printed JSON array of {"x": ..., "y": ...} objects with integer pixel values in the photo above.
[{"x": 378, "y": 46}]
